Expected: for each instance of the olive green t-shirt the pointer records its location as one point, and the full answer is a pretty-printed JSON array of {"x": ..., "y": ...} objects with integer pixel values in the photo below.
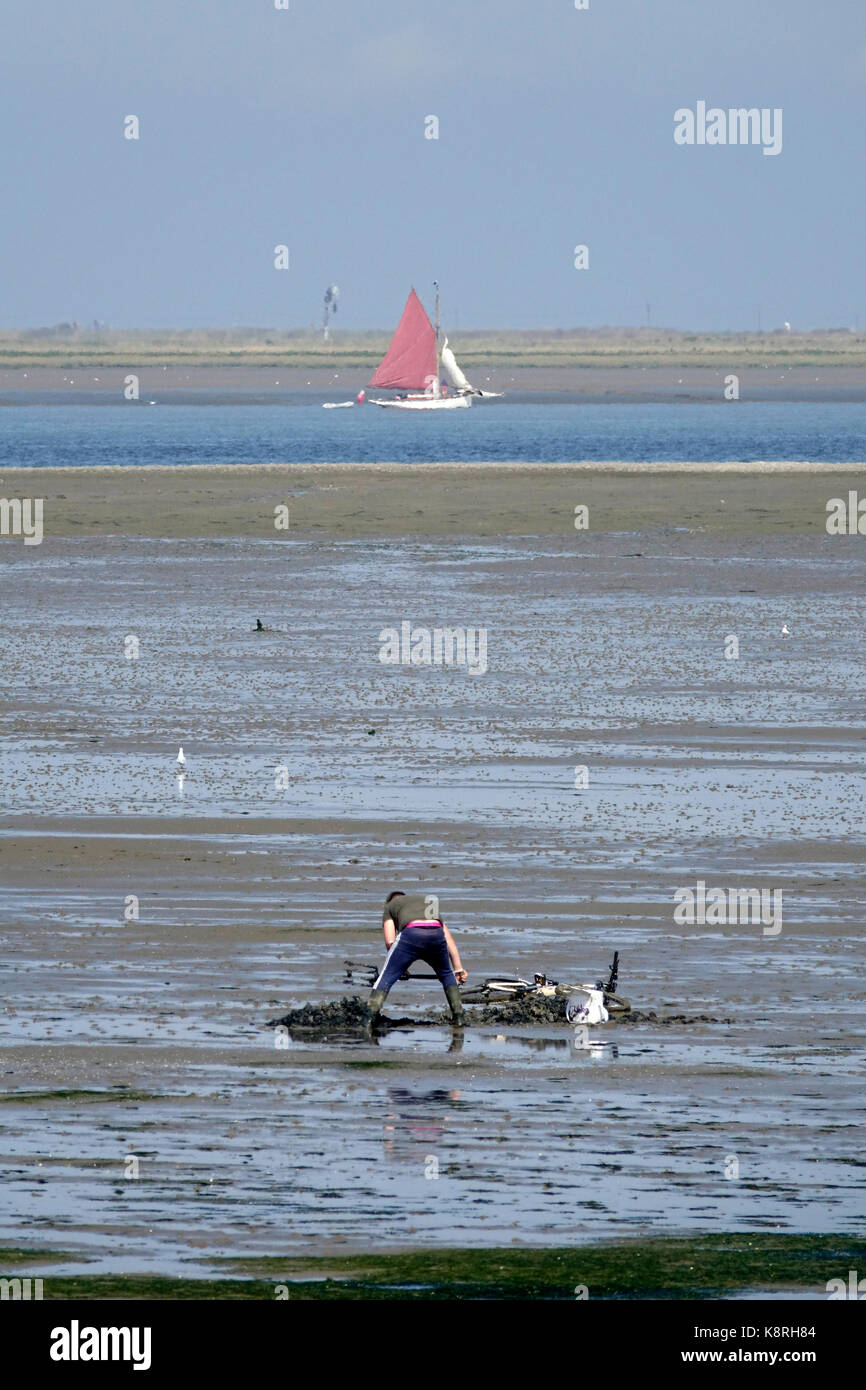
[{"x": 412, "y": 907}]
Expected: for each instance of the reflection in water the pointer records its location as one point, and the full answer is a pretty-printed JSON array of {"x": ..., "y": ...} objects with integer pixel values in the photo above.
[
  {"x": 357, "y": 1036},
  {"x": 594, "y": 1049},
  {"x": 415, "y": 1121},
  {"x": 578, "y": 1045},
  {"x": 346, "y": 1037}
]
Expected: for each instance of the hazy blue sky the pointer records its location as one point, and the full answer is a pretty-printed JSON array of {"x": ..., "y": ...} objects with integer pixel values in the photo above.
[{"x": 306, "y": 127}]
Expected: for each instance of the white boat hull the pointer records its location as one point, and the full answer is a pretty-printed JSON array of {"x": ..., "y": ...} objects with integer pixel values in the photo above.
[{"x": 427, "y": 403}]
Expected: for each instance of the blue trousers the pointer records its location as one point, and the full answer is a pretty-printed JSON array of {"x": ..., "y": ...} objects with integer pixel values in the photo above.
[{"x": 417, "y": 943}]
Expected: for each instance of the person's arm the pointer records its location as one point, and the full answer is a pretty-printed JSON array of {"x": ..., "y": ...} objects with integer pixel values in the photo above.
[
  {"x": 454, "y": 956},
  {"x": 390, "y": 931}
]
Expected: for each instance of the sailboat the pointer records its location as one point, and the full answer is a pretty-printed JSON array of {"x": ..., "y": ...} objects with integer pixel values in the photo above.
[{"x": 412, "y": 366}]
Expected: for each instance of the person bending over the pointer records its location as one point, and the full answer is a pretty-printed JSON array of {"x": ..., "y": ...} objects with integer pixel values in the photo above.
[{"x": 415, "y": 931}]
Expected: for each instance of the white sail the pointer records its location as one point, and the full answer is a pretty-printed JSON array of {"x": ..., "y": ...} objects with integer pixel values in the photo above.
[{"x": 454, "y": 372}]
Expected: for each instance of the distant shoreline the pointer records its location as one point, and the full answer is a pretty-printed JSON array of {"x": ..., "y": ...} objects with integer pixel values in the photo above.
[{"x": 69, "y": 349}]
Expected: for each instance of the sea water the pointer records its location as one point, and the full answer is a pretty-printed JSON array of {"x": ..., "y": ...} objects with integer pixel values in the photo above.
[{"x": 42, "y": 436}]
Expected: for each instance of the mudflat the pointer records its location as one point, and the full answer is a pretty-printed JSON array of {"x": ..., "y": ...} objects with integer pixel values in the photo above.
[
  {"x": 614, "y": 751},
  {"x": 668, "y": 377},
  {"x": 345, "y": 501}
]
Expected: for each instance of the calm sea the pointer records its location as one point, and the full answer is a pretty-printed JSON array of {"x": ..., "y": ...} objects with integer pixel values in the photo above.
[{"x": 40, "y": 436}]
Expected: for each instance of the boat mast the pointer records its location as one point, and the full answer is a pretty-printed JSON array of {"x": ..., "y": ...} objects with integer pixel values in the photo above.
[{"x": 438, "y": 385}]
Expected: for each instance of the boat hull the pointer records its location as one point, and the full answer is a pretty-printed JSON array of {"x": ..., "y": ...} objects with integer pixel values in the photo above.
[{"x": 428, "y": 403}]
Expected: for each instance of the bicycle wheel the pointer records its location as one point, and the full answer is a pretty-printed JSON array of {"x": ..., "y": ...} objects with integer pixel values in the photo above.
[
  {"x": 497, "y": 991},
  {"x": 474, "y": 996}
]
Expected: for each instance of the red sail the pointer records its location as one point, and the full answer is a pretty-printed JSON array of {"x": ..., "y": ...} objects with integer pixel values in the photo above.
[{"x": 410, "y": 362}]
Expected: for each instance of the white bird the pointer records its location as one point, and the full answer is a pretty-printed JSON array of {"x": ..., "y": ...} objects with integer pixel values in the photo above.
[
  {"x": 785, "y": 631},
  {"x": 181, "y": 760},
  {"x": 787, "y": 326}
]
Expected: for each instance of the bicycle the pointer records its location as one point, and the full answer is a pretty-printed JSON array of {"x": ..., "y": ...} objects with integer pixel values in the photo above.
[{"x": 506, "y": 989}]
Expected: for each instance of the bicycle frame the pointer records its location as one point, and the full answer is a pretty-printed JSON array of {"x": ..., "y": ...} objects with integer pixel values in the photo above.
[{"x": 504, "y": 987}]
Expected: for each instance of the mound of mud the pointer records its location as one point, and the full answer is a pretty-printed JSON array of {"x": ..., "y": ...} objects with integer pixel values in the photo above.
[
  {"x": 351, "y": 1013},
  {"x": 533, "y": 1009},
  {"x": 537, "y": 1009},
  {"x": 341, "y": 1014},
  {"x": 337, "y": 1013}
]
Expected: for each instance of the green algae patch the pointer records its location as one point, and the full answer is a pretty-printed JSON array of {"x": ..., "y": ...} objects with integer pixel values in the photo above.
[
  {"x": 677, "y": 1268},
  {"x": 147, "y": 1286},
  {"x": 378, "y": 1063},
  {"x": 692, "y": 1267},
  {"x": 11, "y": 1255},
  {"x": 38, "y": 1097}
]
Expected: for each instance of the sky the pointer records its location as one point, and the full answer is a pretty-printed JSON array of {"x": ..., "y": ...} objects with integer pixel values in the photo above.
[{"x": 305, "y": 127}]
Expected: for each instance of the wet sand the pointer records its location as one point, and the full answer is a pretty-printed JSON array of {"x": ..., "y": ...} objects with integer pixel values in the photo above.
[
  {"x": 680, "y": 380},
  {"x": 143, "y": 1033},
  {"x": 381, "y": 501}
]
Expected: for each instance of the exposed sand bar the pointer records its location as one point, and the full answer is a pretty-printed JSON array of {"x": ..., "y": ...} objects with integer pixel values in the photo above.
[
  {"x": 432, "y": 499},
  {"x": 185, "y": 383}
]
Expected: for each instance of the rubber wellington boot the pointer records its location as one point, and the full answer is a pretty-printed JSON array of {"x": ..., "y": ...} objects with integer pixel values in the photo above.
[
  {"x": 452, "y": 994},
  {"x": 375, "y": 1001}
]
